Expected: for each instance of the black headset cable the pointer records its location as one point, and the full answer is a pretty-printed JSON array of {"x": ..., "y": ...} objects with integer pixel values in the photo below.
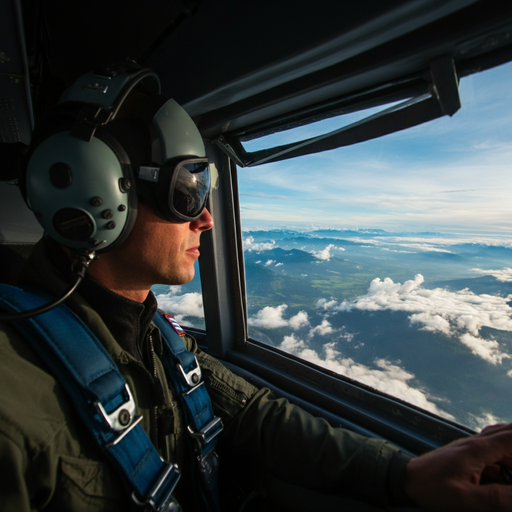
[{"x": 79, "y": 271}]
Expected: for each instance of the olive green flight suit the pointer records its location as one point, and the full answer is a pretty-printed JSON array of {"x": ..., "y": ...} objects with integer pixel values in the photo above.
[{"x": 49, "y": 461}]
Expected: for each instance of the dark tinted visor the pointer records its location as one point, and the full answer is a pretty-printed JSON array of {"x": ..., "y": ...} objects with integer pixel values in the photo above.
[{"x": 191, "y": 184}]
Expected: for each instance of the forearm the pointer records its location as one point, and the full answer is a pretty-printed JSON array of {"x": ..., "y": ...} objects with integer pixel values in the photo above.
[{"x": 292, "y": 444}]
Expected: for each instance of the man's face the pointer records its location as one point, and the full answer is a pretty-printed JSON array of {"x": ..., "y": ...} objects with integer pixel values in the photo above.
[{"x": 156, "y": 252}]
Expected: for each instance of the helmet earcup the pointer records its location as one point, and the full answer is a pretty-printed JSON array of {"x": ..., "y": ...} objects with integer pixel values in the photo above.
[{"x": 82, "y": 192}]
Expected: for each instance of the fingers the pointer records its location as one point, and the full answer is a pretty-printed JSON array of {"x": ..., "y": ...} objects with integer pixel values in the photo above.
[
  {"x": 448, "y": 479},
  {"x": 496, "y": 446},
  {"x": 492, "y": 429},
  {"x": 493, "y": 497}
]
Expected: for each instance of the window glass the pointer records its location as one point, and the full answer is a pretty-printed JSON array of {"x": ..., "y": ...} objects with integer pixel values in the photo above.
[
  {"x": 390, "y": 261},
  {"x": 184, "y": 302}
]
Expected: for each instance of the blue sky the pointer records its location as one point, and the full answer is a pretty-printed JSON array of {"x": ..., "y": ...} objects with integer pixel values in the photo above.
[{"x": 449, "y": 175}]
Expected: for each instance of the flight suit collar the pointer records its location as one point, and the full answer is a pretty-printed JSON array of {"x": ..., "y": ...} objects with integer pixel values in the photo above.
[{"x": 127, "y": 322}]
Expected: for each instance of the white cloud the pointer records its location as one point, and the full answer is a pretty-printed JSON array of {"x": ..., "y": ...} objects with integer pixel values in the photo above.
[
  {"x": 429, "y": 243},
  {"x": 249, "y": 245},
  {"x": 174, "y": 289},
  {"x": 292, "y": 344},
  {"x": 269, "y": 317},
  {"x": 269, "y": 262},
  {"x": 323, "y": 329},
  {"x": 348, "y": 336},
  {"x": 425, "y": 247},
  {"x": 489, "y": 241},
  {"x": 504, "y": 275},
  {"x": 393, "y": 250},
  {"x": 486, "y": 349},
  {"x": 299, "y": 320},
  {"x": 387, "y": 377},
  {"x": 272, "y": 318},
  {"x": 431, "y": 322},
  {"x": 325, "y": 254},
  {"x": 181, "y": 306},
  {"x": 480, "y": 422},
  {"x": 326, "y": 304},
  {"x": 279, "y": 264},
  {"x": 462, "y": 313}
]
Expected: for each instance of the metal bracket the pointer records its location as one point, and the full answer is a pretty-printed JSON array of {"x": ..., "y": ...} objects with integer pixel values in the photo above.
[
  {"x": 121, "y": 417},
  {"x": 211, "y": 430},
  {"x": 193, "y": 377},
  {"x": 169, "y": 477},
  {"x": 446, "y": 84}
]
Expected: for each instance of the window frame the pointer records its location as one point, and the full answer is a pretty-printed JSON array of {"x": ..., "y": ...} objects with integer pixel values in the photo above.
[{"x": 340, "y": 400}]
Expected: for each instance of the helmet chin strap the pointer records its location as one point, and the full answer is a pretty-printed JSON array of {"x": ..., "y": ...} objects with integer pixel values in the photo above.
[{"x": 82, "y": 259}]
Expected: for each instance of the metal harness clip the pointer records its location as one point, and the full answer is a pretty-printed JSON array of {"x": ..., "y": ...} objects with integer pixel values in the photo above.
[
  {"x": 121, "y": 417},
  {"x": 211, "y": 430},
  {"x": 168, "y": 478},
  {"x": 192, "y": 377}
]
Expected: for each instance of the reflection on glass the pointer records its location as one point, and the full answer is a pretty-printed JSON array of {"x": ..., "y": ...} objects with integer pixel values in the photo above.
[{"x": 390, "y": 261}]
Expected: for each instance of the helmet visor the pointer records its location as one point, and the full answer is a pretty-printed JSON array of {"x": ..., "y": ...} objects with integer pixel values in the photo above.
[{"x": 190, "y": 187}]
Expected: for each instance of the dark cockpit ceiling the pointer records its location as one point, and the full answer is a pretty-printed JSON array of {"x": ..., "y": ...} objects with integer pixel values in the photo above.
[{"x": 253, "y": 67}]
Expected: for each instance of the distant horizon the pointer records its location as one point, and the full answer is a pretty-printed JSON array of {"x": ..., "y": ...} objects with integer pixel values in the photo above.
[
  {"x": 442, "y": 238},
  {"x": 269, "y": 225},
  {"x": 247, "y": 227}
]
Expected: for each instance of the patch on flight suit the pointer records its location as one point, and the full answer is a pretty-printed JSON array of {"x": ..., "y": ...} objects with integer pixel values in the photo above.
[{"x": 175, "y": 325}]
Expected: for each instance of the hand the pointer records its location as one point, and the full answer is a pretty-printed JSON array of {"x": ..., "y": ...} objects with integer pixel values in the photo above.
[{"x": 448, "y": 479}]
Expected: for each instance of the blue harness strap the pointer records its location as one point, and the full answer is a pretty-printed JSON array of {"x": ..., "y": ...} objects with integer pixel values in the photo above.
[
  {"x": 203, "y": 426},
  {"x": 104, "y": 401}
]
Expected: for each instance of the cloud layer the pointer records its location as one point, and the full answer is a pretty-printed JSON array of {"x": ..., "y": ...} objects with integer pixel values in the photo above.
[
  {"x": 504, "y": 275},
  {"x": 249, "y": 245},
  {"x": 387, "y": 377},
  {"x": 461, "y": 314},
  {"x": 272, "y": 318},
  {"x": 181, "y": 306},
  {"x": 325, "y": 254}
]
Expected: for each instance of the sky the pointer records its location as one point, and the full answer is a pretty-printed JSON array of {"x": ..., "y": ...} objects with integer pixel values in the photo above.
[{"x": 448, "y": 175}]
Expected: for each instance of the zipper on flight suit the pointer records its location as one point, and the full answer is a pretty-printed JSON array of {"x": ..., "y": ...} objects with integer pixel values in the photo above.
[{"x": 156, "y": 380}]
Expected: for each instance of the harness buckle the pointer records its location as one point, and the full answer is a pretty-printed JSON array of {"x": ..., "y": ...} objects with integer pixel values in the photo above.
[
  {"x": 159, "y": 497},
  {"x": 121, "y": 417},
  {"x": 192, "y": 377},
  {"x": 209, "y": 466},
  {"x": 211, "y": 430}
]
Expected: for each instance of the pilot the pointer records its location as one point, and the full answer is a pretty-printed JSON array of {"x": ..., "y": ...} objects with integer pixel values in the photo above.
[{"x": 271, "y": 454}]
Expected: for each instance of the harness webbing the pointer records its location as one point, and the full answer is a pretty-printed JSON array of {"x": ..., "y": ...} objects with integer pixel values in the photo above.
[
  {"x": 104, "y": 401},
  {"x": 203, "y": 425}
]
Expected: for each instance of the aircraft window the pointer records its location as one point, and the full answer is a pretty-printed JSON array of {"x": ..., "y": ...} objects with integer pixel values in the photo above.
[
  {"x": 184, "y": 302},
  {"x": 390, "y": 261}
]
